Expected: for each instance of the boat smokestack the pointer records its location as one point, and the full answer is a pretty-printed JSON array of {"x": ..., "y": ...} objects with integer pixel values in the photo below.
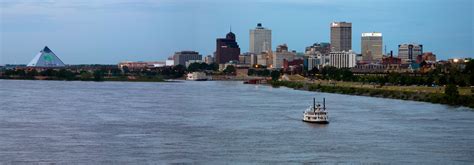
[
  {"x": 324, "y": 103},
  {"x": 314, "y": 103}
]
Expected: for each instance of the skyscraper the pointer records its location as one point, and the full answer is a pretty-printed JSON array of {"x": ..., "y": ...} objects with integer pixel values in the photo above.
[
  {"x": 227, "y": 49},
  {"x": 408, "y": 52},
  {"x": 341, "y": 36},
  {"x": 260, "y": 39},
  {"x": 371, "y": 46}
]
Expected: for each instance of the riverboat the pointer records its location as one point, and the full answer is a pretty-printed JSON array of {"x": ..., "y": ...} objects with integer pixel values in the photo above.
[{"x": 316, "y": 113}]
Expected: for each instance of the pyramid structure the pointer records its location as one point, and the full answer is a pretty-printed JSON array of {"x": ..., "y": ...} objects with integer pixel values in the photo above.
[{"x": 46, "y": 58}]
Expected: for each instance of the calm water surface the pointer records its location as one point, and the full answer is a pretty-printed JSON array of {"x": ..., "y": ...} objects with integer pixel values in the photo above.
[{"x": 220, "y": 122}]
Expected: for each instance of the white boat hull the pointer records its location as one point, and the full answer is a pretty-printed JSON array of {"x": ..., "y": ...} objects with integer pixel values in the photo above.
[
  {"x": 317, "y": 121},
  {"x": 310, "y": 117}
]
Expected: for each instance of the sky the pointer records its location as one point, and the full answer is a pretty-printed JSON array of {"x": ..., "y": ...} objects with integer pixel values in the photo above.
[{"x": 110, "y": 31}]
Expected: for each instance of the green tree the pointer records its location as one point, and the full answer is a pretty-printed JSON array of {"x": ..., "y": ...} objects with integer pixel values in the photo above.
[
  {"x": 213, "y": 66},
  {"x": 125, "y": 70},
  {"x": 451, "y": 93},
  {"x": 469, "y": 70},
  {"x": 275, "y": 75},
  {"x": 85, "y": 75},
  {"x": 265, "y": 73},
  {"x": 65, "y": 74},
  {"x": 230, "y": 69},
  {"x": 251, "y": 72},
  {"x": 48, "y": 72},
  {"x": 193, "y": 67},
  {"x": 9, "y": 72},
  {"x": 98, "y": 75},
  {"x": 32, "y": 73},
  {"x": 178, "y": 71},
  {"x": 313, "y": 71},
  {"x": 116, "y": 72},
  {"x": 442, "y": 80},
  {"x": 346, "y": 74},
  {"x": 330, "y": 72},
  {"x": 20, "y": 72},
  {"x": 430, "y": 81},
  {"x": 203, "y": 66}
]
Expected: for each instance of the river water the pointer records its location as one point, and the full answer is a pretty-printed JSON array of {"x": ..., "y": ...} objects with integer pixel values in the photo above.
[{"x": 219, "y": 122}]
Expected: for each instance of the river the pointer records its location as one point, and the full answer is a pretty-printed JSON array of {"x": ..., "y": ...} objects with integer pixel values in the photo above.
[{"x": 218, "y": 122}]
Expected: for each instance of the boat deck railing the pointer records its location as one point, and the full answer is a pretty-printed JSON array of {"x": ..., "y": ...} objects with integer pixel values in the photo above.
[{"x": 316, "y": 113}]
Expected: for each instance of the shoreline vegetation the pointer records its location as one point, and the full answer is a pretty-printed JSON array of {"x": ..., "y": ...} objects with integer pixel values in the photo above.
[
  {"x": 99, "y": 73},
  {"x": 449, "y": 84},
  {"x": 103, "y": 79},
  {"x": 450, "y": 96}
]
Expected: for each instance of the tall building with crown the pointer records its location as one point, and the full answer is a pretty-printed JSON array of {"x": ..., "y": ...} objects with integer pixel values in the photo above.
[
  {"x": 227, "y": 49},
  {"x": 260, "y": 40}
]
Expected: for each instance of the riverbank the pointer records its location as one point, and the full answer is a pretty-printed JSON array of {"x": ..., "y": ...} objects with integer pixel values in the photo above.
[
  {"x": 438, "y": 98},
  {"x": 132, "y": 78},
  {"x": 121, "y": 78}
]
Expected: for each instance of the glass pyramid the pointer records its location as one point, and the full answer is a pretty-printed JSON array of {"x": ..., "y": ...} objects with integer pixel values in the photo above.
[{"x": 46, "y": 58}]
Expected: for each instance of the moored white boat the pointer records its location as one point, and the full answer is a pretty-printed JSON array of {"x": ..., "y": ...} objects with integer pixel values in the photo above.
[{"x": 197, "y": 76}]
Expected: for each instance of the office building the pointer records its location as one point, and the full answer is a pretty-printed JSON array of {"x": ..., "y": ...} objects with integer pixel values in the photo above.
[
  {"x": 408, "y": 52},
  {"x": 209, "y": 59},
  {"x": 427, "y": 57},
  {"x": 260, "y": 40},
  {"x": 294, "y": 67},
  {"x": 245, "y": 58},
  {"x": 280, "y": 55},
  {"x": 341, "y": 36},
  {"x": 265, "y": 59},
  {"x": 180, "y": 58},
  {"x": 317, "y": 55},
  {"x": 323, "y": 48},
  {"x": 344, "y": 59},
  {"x": 314, "y": 62},
  {"x": 227, "y": 49},
  {"x": 253, "y": 59},
  {"x": 391, "y": 60},
  {"x": 371, "y": 47},
  {"x": 169, "y": 61}
]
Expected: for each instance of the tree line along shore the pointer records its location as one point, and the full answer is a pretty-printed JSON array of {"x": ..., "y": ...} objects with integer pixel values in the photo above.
[
  {"x": 110, "y": 73},
  {"x": 446, "y": 85},
  {"x": 449, "y": 95}
]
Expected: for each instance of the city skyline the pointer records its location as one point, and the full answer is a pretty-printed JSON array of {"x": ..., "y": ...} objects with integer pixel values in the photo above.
[{"x": 153, "y": 30}]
